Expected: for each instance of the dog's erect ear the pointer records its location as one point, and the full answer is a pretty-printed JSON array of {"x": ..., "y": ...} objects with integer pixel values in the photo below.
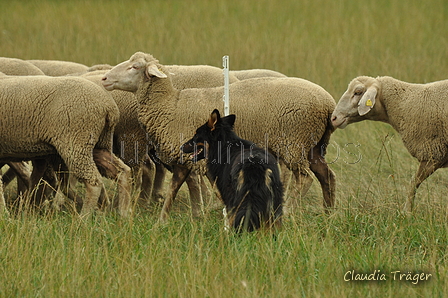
[
  {"x": 230, "y": 120},
  {"x": 214, "y": 118},
  {"x": 153, "y": 71},
  {"x": 217, "y": 115}
]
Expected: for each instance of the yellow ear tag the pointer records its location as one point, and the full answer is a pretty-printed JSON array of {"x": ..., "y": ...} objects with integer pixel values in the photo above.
[{"x": 369, "y": 103}]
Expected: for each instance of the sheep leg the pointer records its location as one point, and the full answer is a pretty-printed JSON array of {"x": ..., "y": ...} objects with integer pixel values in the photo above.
[
  {"x": 80, "y": 162},
  {"x": 103, "y": 200},
  {"x": 112, "y": 167},
  {"x": 39, "y": 168},
  {"x": 124, "y": 187},
  {"x": 64, "y": 186},
  {"x": 195, "y": 190},
  {"x": 219, "y": 203},
  {"x": 148, "y": 176},
  {"x": 68, "y": 183},
  {"x": 8, "y": 176},
  {"x": 204, "y": 188},
  {"x": 57, "y": 181},
  {"x": 45, "y": 182},
  {"x": 302, "y": 183},
  {"x": 285, "y": 176},
  {"x": 306, "y": 180},
  {"x": 137, "y": 175},
  {"x": 213, "y": 202},
  {"x": 325, "y": 175},
  {"x": 180, "y": 174},
  {"x": 159, "y": 178},
  {"x": 93, "y": 192},
  {"x": 51, "y": 181},
  {"x": 425, "y": 169},
  {"x": 23, "y": 173},
  {"x": 3, "y": 208},
  {"x": 19, "y": 170}
]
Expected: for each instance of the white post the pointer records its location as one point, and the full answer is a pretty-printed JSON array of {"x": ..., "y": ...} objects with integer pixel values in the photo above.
[{"x": 225, "y": 64}]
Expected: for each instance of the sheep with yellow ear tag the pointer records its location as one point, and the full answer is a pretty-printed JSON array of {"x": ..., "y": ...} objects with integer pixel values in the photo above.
[{"x": 419, "y": 112}]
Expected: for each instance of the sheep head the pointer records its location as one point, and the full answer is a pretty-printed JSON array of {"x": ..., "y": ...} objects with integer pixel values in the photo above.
[
  {"x": 129, "y": 74},
  {"x": 357, "y": 102}
]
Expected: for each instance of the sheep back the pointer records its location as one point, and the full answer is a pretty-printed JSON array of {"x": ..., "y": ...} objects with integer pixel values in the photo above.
[
  {"x": 289, "y": 115},
  {"x": 44, "y": 115},
  {"x": 18, "y": 67},
  {"x": 57, "y": 68},
  {"x": 197, "y": 76},
  {"x": 256, "y": 73}
]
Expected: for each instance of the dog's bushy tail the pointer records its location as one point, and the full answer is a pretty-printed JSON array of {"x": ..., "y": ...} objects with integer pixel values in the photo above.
[{"x": 258, "y": 198}]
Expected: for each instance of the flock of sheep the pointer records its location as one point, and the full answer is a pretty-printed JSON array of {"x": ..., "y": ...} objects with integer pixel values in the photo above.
[{"x": 78, "y": 123}]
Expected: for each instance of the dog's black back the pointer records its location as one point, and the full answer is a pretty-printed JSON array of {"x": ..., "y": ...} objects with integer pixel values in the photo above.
[{"x": 247, "y": 176}]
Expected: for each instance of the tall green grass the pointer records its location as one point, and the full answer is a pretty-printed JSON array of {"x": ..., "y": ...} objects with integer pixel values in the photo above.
[
  {"x": 106, "y": 257},
  {"x": 327, "y": 42}
]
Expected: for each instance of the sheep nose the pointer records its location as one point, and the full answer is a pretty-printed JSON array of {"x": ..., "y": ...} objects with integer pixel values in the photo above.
[
  {"x": 334, "y": 118},
  {"x": 104, "y": 78}
]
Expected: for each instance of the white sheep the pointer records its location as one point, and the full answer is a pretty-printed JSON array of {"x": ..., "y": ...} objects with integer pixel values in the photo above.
[
  {"x": 131, "y": 140},
  {"x": 419, "y": 112},
  {"x": 68, "y": 117},
  {"x": 256, "y": 73},
  {"x": 290, "y": 116},
  {"x": 18, "y": 67},
  {"x": 57, "y": 68}
]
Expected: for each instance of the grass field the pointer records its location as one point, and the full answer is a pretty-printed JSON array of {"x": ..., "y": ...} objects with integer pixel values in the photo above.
[{"x": 326, "y": 42}]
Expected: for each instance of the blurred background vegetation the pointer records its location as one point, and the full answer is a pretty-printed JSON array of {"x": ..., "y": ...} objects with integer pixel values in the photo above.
[{"x": 326, "y": 42}]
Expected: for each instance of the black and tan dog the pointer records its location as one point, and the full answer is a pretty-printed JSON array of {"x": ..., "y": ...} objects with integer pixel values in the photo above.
[{"x": 246, "y": 176}]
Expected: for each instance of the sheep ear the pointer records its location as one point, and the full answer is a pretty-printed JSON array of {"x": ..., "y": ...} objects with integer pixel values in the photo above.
[
  {"x": 152, "y": 70},
  {"x": 367, "y": 101},
  {"x": 214, "y": 118}
]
